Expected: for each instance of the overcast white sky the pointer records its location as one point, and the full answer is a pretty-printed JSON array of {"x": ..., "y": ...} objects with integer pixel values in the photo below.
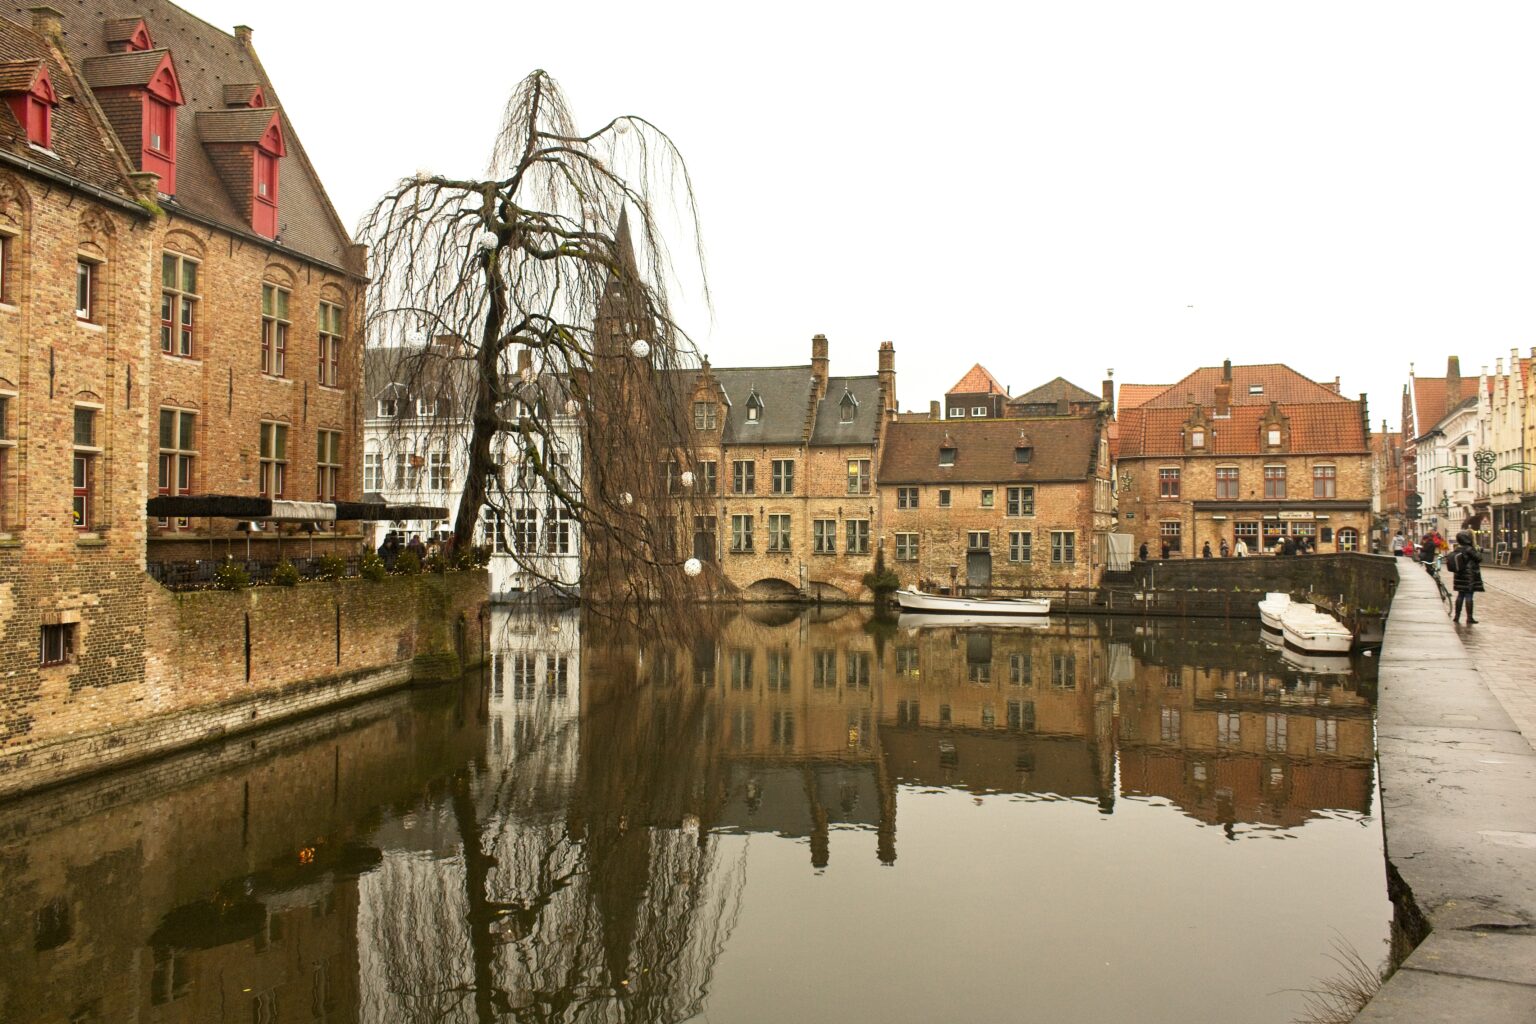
[{"x": 1049, "y": 188}]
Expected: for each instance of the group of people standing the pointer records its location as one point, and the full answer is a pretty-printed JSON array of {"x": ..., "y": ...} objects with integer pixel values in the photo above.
[{"x": 1286, "y": 545}]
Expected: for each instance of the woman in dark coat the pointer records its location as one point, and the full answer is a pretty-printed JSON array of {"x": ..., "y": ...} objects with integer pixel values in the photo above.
[{"x": 1467, "y": 564}]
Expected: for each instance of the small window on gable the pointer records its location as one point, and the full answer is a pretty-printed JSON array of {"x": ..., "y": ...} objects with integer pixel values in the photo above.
[
  {"x": 1255, "y": 389},
  {"x": 31, "y": 98},
  {"x": 946, "y": 456},
  {"x": 754, "y": 408},
  {"x": 1023, "y": 454},
  {"x": 1197, "y": 438},
  {"x": 848, "y": 408},
  {"x": 388, "y": 408},
  {"x": 1274, "y": 437}
]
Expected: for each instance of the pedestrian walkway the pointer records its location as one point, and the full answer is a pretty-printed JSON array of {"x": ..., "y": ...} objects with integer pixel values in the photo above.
[
  {"x": 1503, "y": 643},
  {"x": 1458, "y": 789}
]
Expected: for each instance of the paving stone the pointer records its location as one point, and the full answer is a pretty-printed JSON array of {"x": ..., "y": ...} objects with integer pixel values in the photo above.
[
  {"x": 1423, "y": 997},
  {"x": 1497, "y": 956}
]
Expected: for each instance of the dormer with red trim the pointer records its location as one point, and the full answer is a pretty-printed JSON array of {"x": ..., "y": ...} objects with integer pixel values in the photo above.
[
  {"x": 28, "y": 91},
  {"x": 140, "y": 93},
  {"x": 127, "y": 35},
  {"x": 245, "y": 95},
  {"x": 246, "y": 146}
]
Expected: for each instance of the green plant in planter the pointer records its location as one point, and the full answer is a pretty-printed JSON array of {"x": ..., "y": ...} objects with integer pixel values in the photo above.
[
  {"x": 231, "y": 575},
  {"x": 331, "y": 567},
  {"x": 408, "y": 564},
  {"x": 285, "y": 575},
  {"x": 372, "y": 568}
]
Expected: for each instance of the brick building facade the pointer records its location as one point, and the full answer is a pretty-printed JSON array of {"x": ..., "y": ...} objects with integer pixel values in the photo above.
[
  {"x": 996, "y": 502},
  {"x": 785, "y": 461},
  {"x": 1251, "y": 453}
]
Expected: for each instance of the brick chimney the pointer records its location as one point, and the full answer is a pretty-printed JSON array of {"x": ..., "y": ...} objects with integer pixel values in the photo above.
[
  {"x": 933, "y": 409},
  {"x": 888, "y": 374},
  {"x": 1452, "y": 383},
  {"x": 243, "y": 36},
  {"x": 47, "y": 21},
  {"x": 819, "y": 362},
  {"x": 1224, "y": 391},
  {"x": 1108, "y": 391}
]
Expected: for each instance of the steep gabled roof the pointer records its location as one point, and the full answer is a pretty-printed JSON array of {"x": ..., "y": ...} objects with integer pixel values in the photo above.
[
  {"x": 1064, "y": 449},
  {"x": 977, "y": 380},
  {"x": 1054, "y": 391},
  {"x": 785, "y": 394},
  {"x": 79, "y": 135},
  {"x": 206, "y": 58},
  {"x": 1276, "y": 381},
  {"x": 1315, "y": 428}
]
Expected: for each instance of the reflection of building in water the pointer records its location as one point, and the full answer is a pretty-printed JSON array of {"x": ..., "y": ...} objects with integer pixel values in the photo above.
[
  {"x": 994, "y": 709},
  {"x": 218, "y": 885},
  {"x": 534, "y": 704},
  {"x": 1232, "y": 735}
]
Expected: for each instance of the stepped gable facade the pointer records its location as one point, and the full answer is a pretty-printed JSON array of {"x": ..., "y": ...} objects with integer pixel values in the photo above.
[{"x": 1253, "y": 453}]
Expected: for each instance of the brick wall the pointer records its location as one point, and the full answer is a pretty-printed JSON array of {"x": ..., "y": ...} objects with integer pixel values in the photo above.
[{"x": 307, "y": 647}]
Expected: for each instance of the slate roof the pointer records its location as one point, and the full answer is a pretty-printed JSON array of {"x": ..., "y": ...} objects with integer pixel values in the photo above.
[
  {"x": 977, "y": 381},
  {"x": 785, "y": 392},
  {"x": 18, "y": 75},
  {"x": 206, "y": 59},
  {"x": 242, "y": 124},
  {"x": 1316, "y": 428},
  {"x": 865, "y": 428},
  {"x": 1280, "y": 384},
  {"x": 1065, "y": 449},
  {"x": 120, "y": 69},
  {"x": 79, "y": 132},
  {"x": 1054, "y": 391}
]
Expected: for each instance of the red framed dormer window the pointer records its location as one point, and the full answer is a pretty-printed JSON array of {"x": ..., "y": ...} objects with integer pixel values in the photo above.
[
  {"x": 34, "y": 107},
  {"x": 161, "y": 98},
  {"x": 269, "y": 152}
]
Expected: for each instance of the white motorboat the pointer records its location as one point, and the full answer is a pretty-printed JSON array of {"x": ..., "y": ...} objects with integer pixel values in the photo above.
[
  {"x": 1312, "y": 631},
  {"x": 1271, "y": 608},
  {"x": 913, "y": 621},
  {"x": 917, "y": 601}
]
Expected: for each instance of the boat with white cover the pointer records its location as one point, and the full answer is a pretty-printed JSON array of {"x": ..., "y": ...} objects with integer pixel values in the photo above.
[
  {"x": 1271, "y": 608},
  {"x": 1314, "y": 632},
  {"x": 917, "y": 601}
]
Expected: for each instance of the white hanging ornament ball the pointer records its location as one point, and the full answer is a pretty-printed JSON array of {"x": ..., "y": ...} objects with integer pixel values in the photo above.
[
  {"x": 627, "y": 498},
  {"x": 693, "y": 567},
  {"x": 489, "y": 240},
  {"x": 687, "y": 478},
  {"x": 641, "y": 348}
]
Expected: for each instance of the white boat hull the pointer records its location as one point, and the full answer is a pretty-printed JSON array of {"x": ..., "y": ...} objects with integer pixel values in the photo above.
[
  {"x": 917, "y": 601},
  {"x": 1313, "y": 632},
  {"x": 929, "y": 620},
  {"x": 1271, "y": 609},
  {"x": 1317, "y": 664}
]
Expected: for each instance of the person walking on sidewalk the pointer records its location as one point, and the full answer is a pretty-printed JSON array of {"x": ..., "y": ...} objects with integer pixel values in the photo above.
[{"x": 1467, "y": 565}]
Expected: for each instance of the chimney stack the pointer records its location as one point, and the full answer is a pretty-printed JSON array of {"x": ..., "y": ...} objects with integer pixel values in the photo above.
[
  {"x": 243, "y": 36},
  {"x": 1226, "y": 370},
  {"x": 47, "y": 21},
  {"x": 1452, "y": 383},
  {"x": 819, "y": 363},
  {"x": 1108, "y": 391},
  {"x": 888, "y": 374},
  {"x": 933, "y": 410}
]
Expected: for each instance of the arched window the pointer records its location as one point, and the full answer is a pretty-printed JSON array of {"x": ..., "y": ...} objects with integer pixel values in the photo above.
[{"x": 1349, "y": 539}]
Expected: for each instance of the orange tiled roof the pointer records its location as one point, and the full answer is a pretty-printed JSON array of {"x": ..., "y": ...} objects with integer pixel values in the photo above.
[
  {"x": 1316, "y": 428},
  {"x": 1276, "y": 381},
  {"x": 977, "y": 381},
  {"x": 1132, "y": 395}
]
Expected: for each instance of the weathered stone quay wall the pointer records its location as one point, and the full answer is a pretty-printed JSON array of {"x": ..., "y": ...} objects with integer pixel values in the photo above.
[
  {"x": 219, "y": 662},
  {"x": 1359, "y": 581}
]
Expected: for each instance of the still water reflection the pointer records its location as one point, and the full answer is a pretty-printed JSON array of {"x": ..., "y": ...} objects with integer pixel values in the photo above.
[{"x": 831, "y": 820}]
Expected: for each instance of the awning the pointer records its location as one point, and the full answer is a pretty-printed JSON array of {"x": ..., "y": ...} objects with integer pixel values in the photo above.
[{"x": 233, "y": 506}]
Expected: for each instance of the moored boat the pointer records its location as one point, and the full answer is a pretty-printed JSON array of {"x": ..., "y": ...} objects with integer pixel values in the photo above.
[
  {"x": 917, "y": 601},
  {"x": 1271, "y": 608},
  {"x": 1314, "y": 632}
]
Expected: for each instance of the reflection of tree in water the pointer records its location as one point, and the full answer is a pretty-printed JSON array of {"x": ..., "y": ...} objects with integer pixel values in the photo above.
[{"x": 611, "y": 908}]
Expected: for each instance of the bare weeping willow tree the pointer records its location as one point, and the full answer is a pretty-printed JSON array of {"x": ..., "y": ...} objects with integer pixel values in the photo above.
[{"x": 534, "y": 352}]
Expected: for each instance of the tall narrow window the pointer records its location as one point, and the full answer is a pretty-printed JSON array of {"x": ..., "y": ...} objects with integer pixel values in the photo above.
[
  {"x": 906, "y": 547},
  {"x": 1324, "y": 481},
  {"x": 741, "y": 533},
  {"x": 274, "y": 330},
  {"x": 7, "y": 446},
  {"x": 274, "y": 459},
  {"x": 85, "y": 289},
  {"x": 1274, "y": 481},
  {"x": 857, "y": 531},
  {"x": 906, "y": 497},
  {"x": 557, "y": 532},
  {"x": 327, "y": 464},
  {"x": 858, "y": 476},
  {"x": 178, "y": 451},
  {"x": 744, "y": 477},
  {"x": 1021, "y": 501},
  {"x": 1063, "y": 547},
  {"x": 437, "y": 471},
  {"x": 1226, "y": 482},
  {"x": 1020, "y": 546},
  {"x": 824, "y": 536},
  {"x": 86, "y": 451},
  {"x": 5, "y": 269},
  {"x": 779, "y": 534},
  {"x": 373, "y": 471},
  {"x": 1168, "y": 483},
  {"x": 330, "y": 345},
  {"x": 264, "y": 212},
  {"x": 525, "y": 530},
  {"x": 783, "y": 476},
  {"x": 178, "y": 304}
]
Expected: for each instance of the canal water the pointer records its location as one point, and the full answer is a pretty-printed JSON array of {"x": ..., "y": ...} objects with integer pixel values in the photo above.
[{"x": 794, "y": 818}]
